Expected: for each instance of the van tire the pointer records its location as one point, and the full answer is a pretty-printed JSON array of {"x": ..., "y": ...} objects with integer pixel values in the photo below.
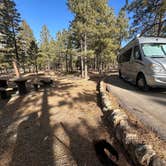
[{"x": 141, "y": 82}]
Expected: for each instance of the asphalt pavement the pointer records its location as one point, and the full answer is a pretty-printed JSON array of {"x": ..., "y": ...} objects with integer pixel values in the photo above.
[{"x": 149, "y": 107}]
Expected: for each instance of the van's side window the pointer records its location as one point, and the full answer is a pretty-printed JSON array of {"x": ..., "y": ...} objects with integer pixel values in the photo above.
[
  {"x": 137, "y": 53},
  {"x": 125, "y": 57}
]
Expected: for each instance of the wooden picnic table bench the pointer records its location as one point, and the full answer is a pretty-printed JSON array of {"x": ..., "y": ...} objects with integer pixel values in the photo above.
[
  {"x": 3, "y": 83},
  {"x": 41, "y": 82},
  {"x": 21, "y": 85},
  {"x": 5, "y": 93}
]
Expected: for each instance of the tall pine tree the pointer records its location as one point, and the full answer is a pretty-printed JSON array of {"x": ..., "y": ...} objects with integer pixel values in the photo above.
[
  {"x": 45, "y": 38},
  {"x": 33, "y": 55},
  {"x": 9, "y": 28},
  {"x": 25, "y": 37},
  {"x": 122, "y": 24}
]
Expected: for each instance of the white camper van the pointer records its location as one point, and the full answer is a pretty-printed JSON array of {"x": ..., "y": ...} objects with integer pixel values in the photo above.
[{"x": 143, "y": 62}]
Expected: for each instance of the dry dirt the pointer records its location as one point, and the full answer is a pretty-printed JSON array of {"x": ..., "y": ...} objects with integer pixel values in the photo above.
[{"x": 55, "y": 126}]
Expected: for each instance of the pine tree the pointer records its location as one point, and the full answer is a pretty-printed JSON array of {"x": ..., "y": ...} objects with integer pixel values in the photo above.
[
  {"x": 45, "y": 38},
  {"x": 149, "y": 17},
  {"x": 9, "y": 28},
  {"x": 33, "y": 54},
  {"x": 122, "y": 26},
  {"x": 106, "y": 33},
  {"x": 83, "y": 25},
  {"x": 61, "y": 48},
  {"x": 98, "y": 22},
  {"x": 25, "y": 37},
  {"x": 52, "y": 52}
]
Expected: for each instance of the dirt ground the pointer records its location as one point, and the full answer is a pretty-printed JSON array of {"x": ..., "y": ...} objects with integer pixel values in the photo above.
[{"x": 55, "y": 126}]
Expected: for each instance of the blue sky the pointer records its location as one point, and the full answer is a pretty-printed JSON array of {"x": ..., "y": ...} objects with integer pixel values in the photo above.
[{"x": 53, "y": 13}]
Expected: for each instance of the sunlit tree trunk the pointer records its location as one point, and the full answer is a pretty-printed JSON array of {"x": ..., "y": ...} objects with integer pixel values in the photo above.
[
  {"x": 67, "y": 70},
  {"x": 82, "y": 61},
  {"x": 85, "y": 51},
  {"x": 71, "y": 63},
  {"x": 15, "y": 61},
  {"x": 16, "y": 69}
]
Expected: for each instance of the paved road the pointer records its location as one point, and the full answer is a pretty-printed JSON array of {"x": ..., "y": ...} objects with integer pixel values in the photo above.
[{"x": 149, "y": 107}]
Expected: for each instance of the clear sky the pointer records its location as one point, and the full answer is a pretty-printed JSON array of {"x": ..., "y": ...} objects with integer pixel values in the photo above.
[{"x": 53, "y": 13}]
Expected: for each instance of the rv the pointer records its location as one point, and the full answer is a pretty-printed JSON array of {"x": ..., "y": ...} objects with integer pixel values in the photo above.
[{"x": 143, "y": 62}]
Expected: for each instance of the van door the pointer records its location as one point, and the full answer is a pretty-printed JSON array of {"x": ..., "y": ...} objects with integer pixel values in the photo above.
[{"x": 136, "y": 63}]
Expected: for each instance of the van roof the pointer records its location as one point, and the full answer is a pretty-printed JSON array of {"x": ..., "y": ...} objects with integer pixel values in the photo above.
[
  {"x": 151, "y": 40},
  {"x": 141, "y": 40}
]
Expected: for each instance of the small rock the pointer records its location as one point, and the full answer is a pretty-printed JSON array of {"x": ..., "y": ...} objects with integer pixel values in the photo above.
[
  {"x": 105, "y": 109},
  {"x": 144, "y": 153},
  {"x": 123, "y": 124},
  {"x": 107, "y": 103},
  {"x": 108, "y": 88},
  {"x": 156, "y": 161},
  {"x": 117, "y": 116},
  {"x": 119, "y": 133},
  {"x": 130, "y": 139}
]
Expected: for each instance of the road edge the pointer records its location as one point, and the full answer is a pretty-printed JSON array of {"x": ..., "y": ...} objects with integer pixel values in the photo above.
[{"x": 140, "y": 153}]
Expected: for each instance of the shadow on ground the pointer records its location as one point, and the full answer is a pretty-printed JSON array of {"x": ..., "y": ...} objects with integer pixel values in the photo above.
[
  {"x": 34, "y": 139},
  {"x": 31, "y": 139}
]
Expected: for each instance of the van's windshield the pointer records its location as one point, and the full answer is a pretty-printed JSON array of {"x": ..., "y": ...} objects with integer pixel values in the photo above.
[{"x": 154, "y": 50}]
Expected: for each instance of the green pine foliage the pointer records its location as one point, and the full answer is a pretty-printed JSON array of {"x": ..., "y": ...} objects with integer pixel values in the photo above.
[
  {"x": 33, "y": 55},
  {"x": 149, "y": 17},
  {"x": 9, "y": 28},
  {"x": 96, "y": 29},
  {"x": 92, "y": 41},
  {"x": 44, "y": 50},
  {"x": 25, "y": 37}
]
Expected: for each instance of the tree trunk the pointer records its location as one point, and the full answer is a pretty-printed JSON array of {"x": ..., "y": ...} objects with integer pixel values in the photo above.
[
  {"x": 86, "y": 68},
  {"x": 82, "y": 67},
  {"x": 71, "y": 63},
  {"x": 159, "y": 25},
  {"x": 15, "y": 62},
  {"x": 100, "y": 65},
  {"x": 85, "y": 51},
  {"x": 16, "y": 69},
  {"x": 23, "y": 66},
  {"x": 67, "y": 68},
  {"x": 82, "y": 61},
  {"x": 6, "y": 70},
  {"x": 94, "y": 65},
  {"x": 48, "y": 64}
]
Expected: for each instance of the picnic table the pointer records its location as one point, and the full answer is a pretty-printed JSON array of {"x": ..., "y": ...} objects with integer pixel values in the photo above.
[
  {"x": 3, "y": 83},
  {"x": 21, "y": 85}
]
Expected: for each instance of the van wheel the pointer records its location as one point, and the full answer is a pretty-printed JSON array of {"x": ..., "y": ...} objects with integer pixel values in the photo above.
[
  {"x": 120, "y": 74},
  {"x": 141, "y": 83}
]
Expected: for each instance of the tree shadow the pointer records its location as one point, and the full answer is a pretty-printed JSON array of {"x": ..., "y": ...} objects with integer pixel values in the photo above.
[
  {"x": 115, "y": 143},
  {"x": 8, "y": 116},
  {"x": 3, "y": 103},
  {"x": 105, "y": 152},
  {"x": 96, "y": 77},
  {"x": 34, "y": 139},
  {"x": 81, "y": 147}
]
